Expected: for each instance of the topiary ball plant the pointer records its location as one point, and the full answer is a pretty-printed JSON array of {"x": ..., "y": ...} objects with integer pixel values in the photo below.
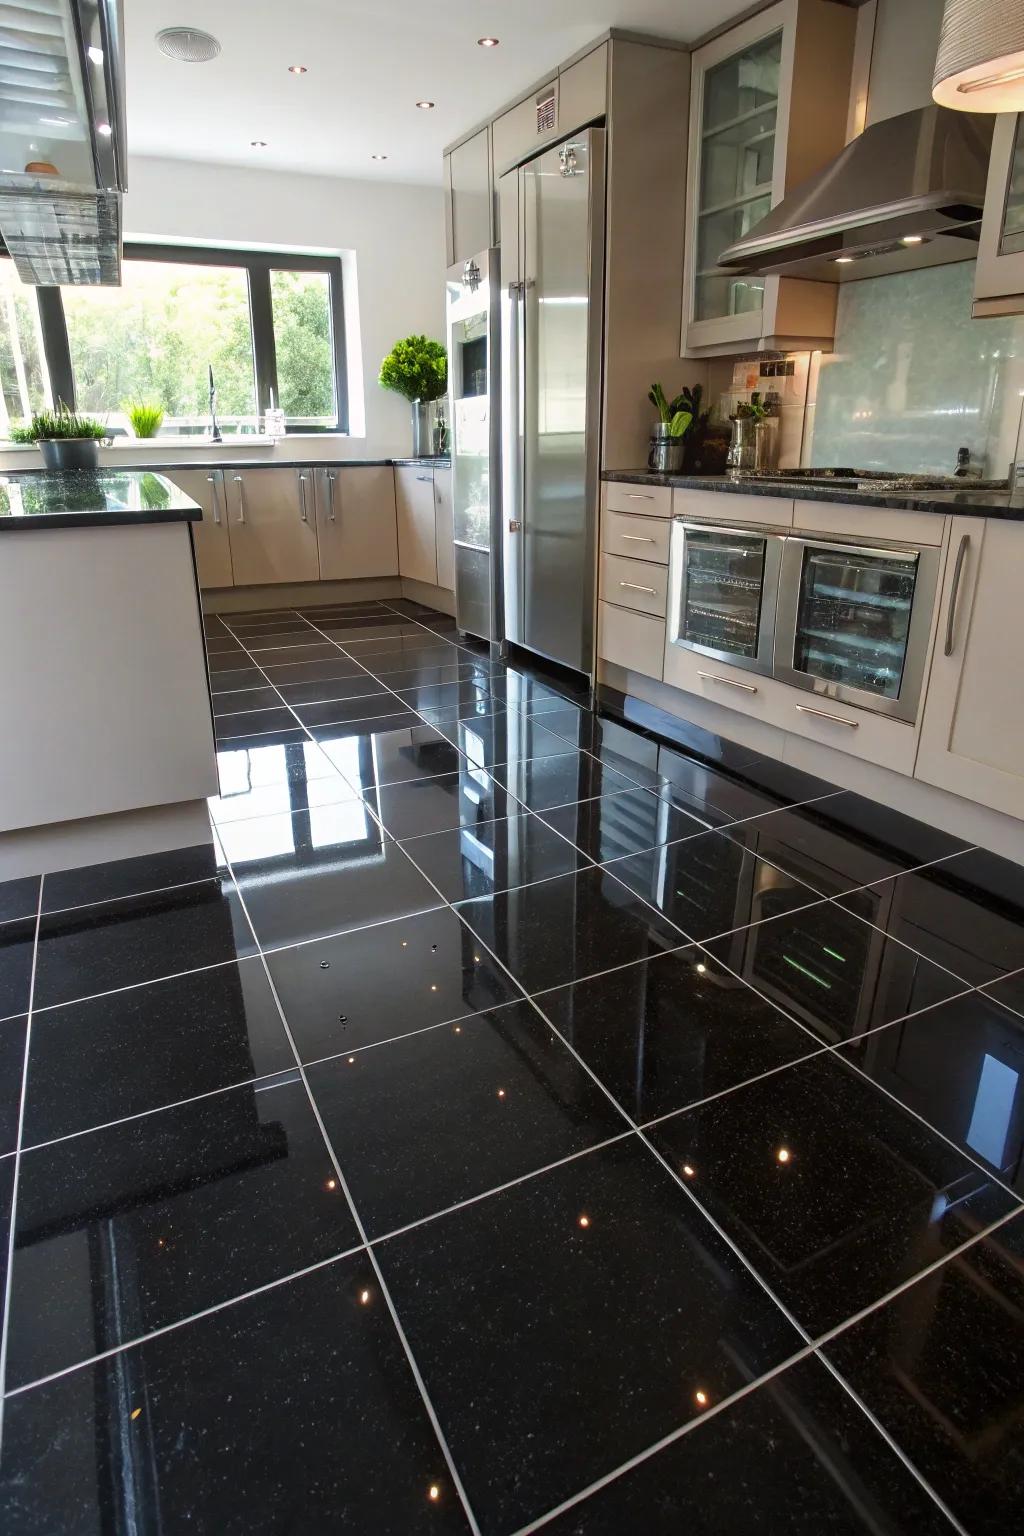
[{"x": 416, "y": 368}]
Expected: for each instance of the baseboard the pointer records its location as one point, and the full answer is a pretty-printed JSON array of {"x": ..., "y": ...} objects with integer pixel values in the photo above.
[
  {"x": 97, "y": 839},
  {"x": 304, "y": 594},
  {"x": 441, "y": 598}
]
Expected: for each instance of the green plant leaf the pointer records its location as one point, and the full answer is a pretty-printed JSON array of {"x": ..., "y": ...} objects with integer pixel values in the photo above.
[
  {"x": 416, "y": 368},
  {"x": 679, "y": 424},
  {"x": 146, "y": 419}
]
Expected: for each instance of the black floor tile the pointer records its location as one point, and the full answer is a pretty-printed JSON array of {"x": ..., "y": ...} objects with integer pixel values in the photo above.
[
  {"x": 274, "y": 637},
  {"x": 941, "y": 1368},
  {"x": 483, "y": 857},
  {"x": 19, "y": 898},
  {"x": 960, "y": 1066},
  {"x": 783, "y": 780},
  {"x": 167, "y": 1215},
  {"x": 966, "y": 913},
  {"x": 366, "y": 610},
  {"x": 258, "y": 722},
  {"x": 295, "y": 675},
  {"x": 243, "y": 700},
  {"x": 469, "y": 695},
  {"x": 310, "y": 891},
  {"x": 17, "y": 939},
  {"x": 293, "y": 1411},
  {"x": 395, "y": 756},
  {"x": 1008, "y": 990},
  {"x": 386, "y": 648},
  {"x": 358, "y": 631},
  {"x": 138, "y": 1050},
  {"x": 544, "y": 782},
  {"x": 261, "y": 780},
  {"x": 323, "y": 690},
  {"x": 414, "y": 659},
  {"x": 618, "y": 747},
  {"x": 710, "y": 793},
  {"x": 7, "y": 1171},
  {"x": 376, "y": 983},
  {"x": 218, "y": 644},
  {"x": 494, "y": 1097},
  {"x": 294, "y": 655},
  {"x": 122, "y": 943},
  {"x": 828, "y": 968},
  {"x": 463, "y": 728},
  {"x": 553, "y": 1351},
  {"x": 796, "y": 1455},
  {"x": 345, "y": 711},
  {"x": 285, "y": 622},
  {"x": 533, "y": 694},
  {"x": 465, "y": 798},
  {"x": 365, "y": 730},
  {"x": 668, "y": 1032},
  {"x": 128, "y": 877},
  {"x": 834, "y": 1193},
  {"x": 341, "y": 822},
  {"x": 232, "y": 679},
  {"x": 709, "y": 883},
  {"x": 12, "y": 1063},
  {"x": 567, "y": 928},
  {"x": 431, "y": 682},
  {"x": 613, "y": 825}
]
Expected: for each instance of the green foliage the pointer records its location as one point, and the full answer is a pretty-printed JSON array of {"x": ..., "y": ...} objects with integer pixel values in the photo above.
[
  {"x": 416, "y": 368},
  {"x": 677, "y": 414},
  {"x": 146, "y": 419},
  {"x": 302, "y": 337},
  {"x": 22, "y": 434},
  {"x": 65, "y": 423},
  {"x": 752, "y": 410},
  {"x": 679, "y": 425}
]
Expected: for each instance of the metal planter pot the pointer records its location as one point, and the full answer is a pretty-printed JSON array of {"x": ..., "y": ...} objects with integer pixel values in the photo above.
[
  {"x": 666, "y": 452},
  {"x": 422, "y": 446},
  {"x": 68, "y": 453}
]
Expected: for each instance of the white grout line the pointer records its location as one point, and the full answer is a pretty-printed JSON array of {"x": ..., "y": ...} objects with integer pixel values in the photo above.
[{"x": 5, "y": 1321}]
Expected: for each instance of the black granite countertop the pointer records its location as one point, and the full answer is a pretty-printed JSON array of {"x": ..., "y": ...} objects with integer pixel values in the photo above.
[
  {"x": 170, "y": 465},
  {"x": 88, "y": 498},
  {"x": 966, "y": 502}
]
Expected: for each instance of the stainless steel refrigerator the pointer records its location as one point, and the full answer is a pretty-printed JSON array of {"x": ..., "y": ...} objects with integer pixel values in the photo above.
[
  {"x": 474, "y": 414},
  {"x": 552, "y": 285}
]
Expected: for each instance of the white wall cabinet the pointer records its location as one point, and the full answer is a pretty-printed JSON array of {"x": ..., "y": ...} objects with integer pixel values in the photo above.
[
  {"x": 211, "y": 536},
  {"x": 999, "y": 274},
  {"x": 356, "y": 521},
  {"x": 272, "y": 520},
  {"x": 972, "y": 733},
  {"x": 444, "y": 528},
  {"x": 417, "y": 533}
]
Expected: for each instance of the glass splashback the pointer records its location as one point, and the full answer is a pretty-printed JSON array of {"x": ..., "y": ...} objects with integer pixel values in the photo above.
[
  {"x": 723, "y": 585},
  {"x": 853, "y": 617}
]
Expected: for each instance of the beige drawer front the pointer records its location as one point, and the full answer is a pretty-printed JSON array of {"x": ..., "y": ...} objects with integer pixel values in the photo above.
[
  {"x": 631, "y": 640},
  {"x": 638, "y": 538},
  {"x": 649, "y": 500},
  {"x": 635, "y": 584},
  {"x": 732, "y": 507},
  {"x": 839, "y": 519}
]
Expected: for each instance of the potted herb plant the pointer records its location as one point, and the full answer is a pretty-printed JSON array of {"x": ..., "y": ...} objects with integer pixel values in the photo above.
[
  {"x": 666, "y": 452},
  {"x": 417, "y": 368},
  {"x": 67, "y": 440},
  {"x": 146, "y": 419}
]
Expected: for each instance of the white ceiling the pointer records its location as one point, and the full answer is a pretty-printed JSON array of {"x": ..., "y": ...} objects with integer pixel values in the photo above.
[{"x": 369, "y": 62}]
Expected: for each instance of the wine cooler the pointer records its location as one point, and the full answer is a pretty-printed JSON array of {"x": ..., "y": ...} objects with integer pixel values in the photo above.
[{"x": 723, "y": 593}]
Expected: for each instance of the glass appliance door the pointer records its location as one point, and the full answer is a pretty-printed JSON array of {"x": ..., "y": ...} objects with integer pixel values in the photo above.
[{"x": 724, "y": 585}]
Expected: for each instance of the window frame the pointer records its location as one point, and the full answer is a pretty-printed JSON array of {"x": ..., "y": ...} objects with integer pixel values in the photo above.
[{"x": 258, "y": 266}]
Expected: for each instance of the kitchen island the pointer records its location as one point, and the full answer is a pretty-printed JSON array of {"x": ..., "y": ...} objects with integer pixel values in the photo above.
[{"x": 108, "y": 744}]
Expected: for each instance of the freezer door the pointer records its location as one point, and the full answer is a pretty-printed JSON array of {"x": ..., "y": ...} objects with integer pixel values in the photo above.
[
  {"x": 513, "y": 385},
  {"x": 562, "y": 199},
  {"x": 473, "y": 348}
]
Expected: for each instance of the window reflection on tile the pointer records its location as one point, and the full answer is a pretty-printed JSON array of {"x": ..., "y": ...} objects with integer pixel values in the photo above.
[
  {"x": 320, "y": 827},
  {"x": 264, "y": 781}
]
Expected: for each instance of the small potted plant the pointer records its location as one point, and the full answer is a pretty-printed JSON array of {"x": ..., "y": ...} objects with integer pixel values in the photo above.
[
  {"x": 67, "y": 440},
  {"x": 417, "y": 368},
  {"x": 146, "y": 419},
  {"x": 667, "y": 445}
]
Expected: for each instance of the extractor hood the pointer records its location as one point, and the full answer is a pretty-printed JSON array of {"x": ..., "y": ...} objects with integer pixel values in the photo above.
[
  {"x": 907, "y": 192},
  {"x": 62, "y": 150}
]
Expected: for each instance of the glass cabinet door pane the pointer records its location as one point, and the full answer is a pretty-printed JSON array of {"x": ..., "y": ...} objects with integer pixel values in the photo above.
[
  {"x": 854, "y": 618},
  {"x": 737, "y": 162},
  {"x": 1012, "y": 235},
  {"x": 723, "y": 580}
]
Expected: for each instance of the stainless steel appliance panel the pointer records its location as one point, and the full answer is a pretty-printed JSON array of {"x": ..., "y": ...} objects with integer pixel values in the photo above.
[
  {"x": 854, "y": 620},
  {"x": 512, "y": 403},
  {"x": 723, "y": 588},
  {"x": 474, "y": 423}
]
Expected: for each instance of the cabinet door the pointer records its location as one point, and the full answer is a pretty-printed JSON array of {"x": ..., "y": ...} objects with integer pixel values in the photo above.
[
  {"x": 210, "y": 537},
  {"x": 417, "y": 537},
  {"x": 972, "y": 734},
  {"x": 273, "y": 526},
  {"x": 444, "y": 529},
  {"x": 355, "y": 519},
  {"x": 470, "y": 170},
  {"x": 999, "y": 274}
]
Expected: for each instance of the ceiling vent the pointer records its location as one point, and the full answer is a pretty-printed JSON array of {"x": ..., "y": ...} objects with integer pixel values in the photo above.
[
  {"x": 547, "y": 110},
  {"x": 188, "y": 45}
]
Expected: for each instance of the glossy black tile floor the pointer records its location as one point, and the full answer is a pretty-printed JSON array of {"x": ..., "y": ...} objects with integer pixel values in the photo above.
[{"x": 509, "y": 1123}]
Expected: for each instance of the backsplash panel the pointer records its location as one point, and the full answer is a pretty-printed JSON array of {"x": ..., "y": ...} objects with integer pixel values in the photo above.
[{"x": 913, "y": 377}]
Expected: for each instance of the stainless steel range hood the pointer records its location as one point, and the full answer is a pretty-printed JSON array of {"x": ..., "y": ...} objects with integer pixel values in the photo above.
[
  {"x": 907, "y": 192},
  {"x": 62, "y": 152}
]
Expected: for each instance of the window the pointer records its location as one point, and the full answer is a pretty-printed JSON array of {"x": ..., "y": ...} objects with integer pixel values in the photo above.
[{"x": 270, "y": 326}]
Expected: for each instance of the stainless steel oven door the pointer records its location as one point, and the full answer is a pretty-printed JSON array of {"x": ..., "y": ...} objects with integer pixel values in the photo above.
[
  {"x": 723, "y": 588},
  {"x": 853, "y": 621}
]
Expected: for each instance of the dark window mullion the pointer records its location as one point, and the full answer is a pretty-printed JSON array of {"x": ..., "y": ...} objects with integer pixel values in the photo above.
[
  {"x": 264, "y": 350},
  {"x": 55, "y": 346}
]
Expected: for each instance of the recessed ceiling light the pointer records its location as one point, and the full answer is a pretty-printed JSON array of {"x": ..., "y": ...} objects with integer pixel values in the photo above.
[
  {"x": 105, "y": 129},
  {"x": 188, "y": 45},
  {"x": 488, "y": 42},
  {"x": 913, "y": 239},
  {"x": 378, "y": 157},
  {"x": 257, "y": 143},
  {"x": 297, "y": 69},
  {"x": 425, "y": 106}
]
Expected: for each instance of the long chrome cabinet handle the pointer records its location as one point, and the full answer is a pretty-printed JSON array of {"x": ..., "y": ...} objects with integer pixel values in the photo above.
[
  {"x": 954, "y": 596},
  {"x": 823, "y": 714},
  {"x": 216, "y": 500},
  {"x": 638, "y": 496},
  {"x": 241, "y": 498},
  {"x": 634, "y": 586},
  {"x": 730, "y": 682},
  {"x": 302, "y": 499},
  {"x": 636, "y": 538},
  {"x": 331, "y": 477}
]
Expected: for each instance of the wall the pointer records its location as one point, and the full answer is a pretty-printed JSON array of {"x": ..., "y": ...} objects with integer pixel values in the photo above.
[
  {"x": 913, "y": 377},
  {"x": 390, "y": 237}
]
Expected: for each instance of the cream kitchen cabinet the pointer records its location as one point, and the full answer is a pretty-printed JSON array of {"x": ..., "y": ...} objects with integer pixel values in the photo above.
[
  {"x": 469, "y": 198},
  {"x": 417, "y": 531},
  {"x": 272, "y": 520},
  {"x": 576, "y": 95},
  {"x": 972, "y": 733},
  {"x": 444, "y": 528},
  {"x": 760, "y": 123},
  {"x": 210, "y": 537},
  {"x": 999, "y": 273},
  {"x": 356, "y": 521}
]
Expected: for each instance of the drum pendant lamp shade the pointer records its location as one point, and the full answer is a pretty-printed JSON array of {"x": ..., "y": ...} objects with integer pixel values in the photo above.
[{"x": 980, "y": 63}]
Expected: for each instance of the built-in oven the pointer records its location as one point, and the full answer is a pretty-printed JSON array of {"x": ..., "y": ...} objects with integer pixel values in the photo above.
[
  {"x": 723, "y": 590},
  {"x": 853, "y": 621}
]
